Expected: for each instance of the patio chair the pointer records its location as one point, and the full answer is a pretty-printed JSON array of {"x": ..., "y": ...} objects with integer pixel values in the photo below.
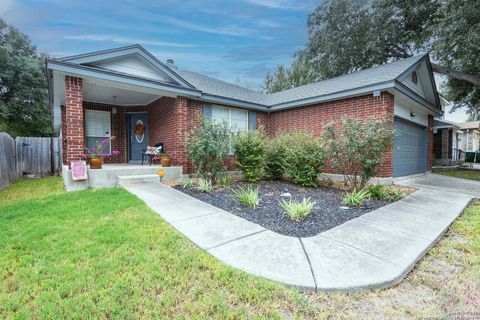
[{"x": 150, "y": 156}]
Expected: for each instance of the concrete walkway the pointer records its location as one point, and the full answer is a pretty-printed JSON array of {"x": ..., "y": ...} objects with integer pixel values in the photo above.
[{"x": 375, "y": 250}]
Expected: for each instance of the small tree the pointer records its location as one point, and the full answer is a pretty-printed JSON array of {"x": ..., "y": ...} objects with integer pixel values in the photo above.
[
  {"x": 250, "y": 155},
  {"x": 208, "y": 146},
  {"x": 304, "y": 158},
  {"x": 356, "y": 149}
]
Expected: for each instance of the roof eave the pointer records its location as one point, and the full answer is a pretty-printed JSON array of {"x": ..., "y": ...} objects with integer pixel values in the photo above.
[
  {"x": 85, "y": 71},
  {"x": 333, "y": 96},
  {"x": 417, "y": 98}
]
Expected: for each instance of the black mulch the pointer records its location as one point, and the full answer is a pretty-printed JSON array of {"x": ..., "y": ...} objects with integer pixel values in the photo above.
[{"x": 325, "y": 215}]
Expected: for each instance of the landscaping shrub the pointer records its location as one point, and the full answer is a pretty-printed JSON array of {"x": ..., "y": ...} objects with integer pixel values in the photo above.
[
  {"x": 356, "y": 198},
  {"x": 208, "y": 146},
  {"x": 297, "y": 210},
  {"x": 378, "y": 191},
  {"x": 356, "y": 149},
  {"x": 224, "y": 180},
  {"x": 204, "y": 185},
  {"x": 186, "y": 182},
  {"x": 250, "y": 155},
  {"x": 304, "y": 159},
  {"x": 275, "y": 157},
  {"x": 249, "y": 197}
]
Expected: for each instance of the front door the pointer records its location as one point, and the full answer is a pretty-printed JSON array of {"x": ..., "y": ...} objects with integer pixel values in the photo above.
[{"x": 137, "y": 127}]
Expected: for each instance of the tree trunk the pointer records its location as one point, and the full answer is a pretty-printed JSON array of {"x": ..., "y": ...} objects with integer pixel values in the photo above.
[{"x": 456, "y": 74}]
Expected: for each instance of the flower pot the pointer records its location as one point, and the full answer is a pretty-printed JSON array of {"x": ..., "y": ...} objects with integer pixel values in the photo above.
[
  {"x": 166, "y": 162},
  {"x": 96, "y": 163}
]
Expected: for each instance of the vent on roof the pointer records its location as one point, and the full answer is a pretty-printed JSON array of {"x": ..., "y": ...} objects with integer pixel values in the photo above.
[
  {"x": 414, "y": 77},
  {"x": 171, "y": 64}
]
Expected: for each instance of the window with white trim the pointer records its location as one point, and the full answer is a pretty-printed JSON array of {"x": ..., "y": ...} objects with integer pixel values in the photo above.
[
  {"x": 236, "y": 119},
  {"x": 97, "y": 127}
]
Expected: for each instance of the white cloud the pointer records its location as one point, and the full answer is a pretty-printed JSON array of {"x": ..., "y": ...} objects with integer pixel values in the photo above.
[
  {"x": 278, "y": 4},
  {"x": 230, "y": 30},
  {"x": 109, "y": 38}
]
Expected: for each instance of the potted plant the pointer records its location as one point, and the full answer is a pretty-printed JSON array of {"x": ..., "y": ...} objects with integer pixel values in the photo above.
[
  {"x": 165, "y": 160},
  {"x": 95, "y": 155}
]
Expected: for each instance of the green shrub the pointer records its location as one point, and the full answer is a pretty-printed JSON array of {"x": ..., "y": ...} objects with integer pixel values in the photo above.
[
  {"x": 304, "y": 159},
  {"x": 204, "y": 185},
  {"x": 249, "y": 197},
  {"x": 275, "y": 157},
  {"x": 186, "y": 182},
  {"x": 395, "y": 194},
  {"x": 250, "y": 155},
  {"x": 355, "y": 198},
  {"x": 356, "y": 149},
  {"x": 295, "y": 210},
  {"x": 225, "y": 180},
  {"x": 378, "y": 191},
  {"x": 208, "y": 146}
]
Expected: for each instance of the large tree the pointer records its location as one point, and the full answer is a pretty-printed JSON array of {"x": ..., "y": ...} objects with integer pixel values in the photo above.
[
  {"x": 24, "y": 108},
  {"x": 349, "y": 35}
]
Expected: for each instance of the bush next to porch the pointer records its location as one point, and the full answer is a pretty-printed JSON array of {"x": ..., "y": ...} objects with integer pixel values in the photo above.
[
  {"x": 250, "y": 155},
  {"x": 357, "y": 148},
  {"x": 208, "y": 146}
]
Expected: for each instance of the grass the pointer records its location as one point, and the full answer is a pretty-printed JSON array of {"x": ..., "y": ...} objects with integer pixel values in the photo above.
[
  {"x": 103, "y": 254},
  {"x": 461, "y": 173}
]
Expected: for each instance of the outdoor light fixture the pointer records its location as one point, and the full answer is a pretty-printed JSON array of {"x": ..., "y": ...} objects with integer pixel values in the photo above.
[
  {"x": 114, "y": 110},
  {"x": 413, "y": 114}
]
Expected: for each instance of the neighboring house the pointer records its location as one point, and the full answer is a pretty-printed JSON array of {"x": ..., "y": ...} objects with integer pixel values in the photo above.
[
  {"x": 110, "y": 93},
  {"x": 469, "y": 136},
  {"x": 446, "y": 143}
]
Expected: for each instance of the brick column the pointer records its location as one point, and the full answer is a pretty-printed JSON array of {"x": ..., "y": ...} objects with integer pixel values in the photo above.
[
  {"x": 74, "y": 118},
  {"x": 430, "y": 143},
  {"x": 181, "y": 127}
]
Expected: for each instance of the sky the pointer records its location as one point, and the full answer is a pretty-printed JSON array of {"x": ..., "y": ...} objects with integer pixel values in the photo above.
[{"x": 236, "y": 41}]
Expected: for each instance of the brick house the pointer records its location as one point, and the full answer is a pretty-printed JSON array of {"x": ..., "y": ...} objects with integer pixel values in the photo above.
[{"x": 113, "y": 92}]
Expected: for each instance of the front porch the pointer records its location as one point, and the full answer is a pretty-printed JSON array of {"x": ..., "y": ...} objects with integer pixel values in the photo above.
[
  {"x": 95, "y": 110},
  {"x": 112, "y": 175}
]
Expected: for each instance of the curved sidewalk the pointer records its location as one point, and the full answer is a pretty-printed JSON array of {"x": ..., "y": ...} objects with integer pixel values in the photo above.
[{"x": 375, "y": 250}]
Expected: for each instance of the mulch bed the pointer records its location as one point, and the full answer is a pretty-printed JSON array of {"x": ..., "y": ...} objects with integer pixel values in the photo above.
[{"x": 325, "y": 215}]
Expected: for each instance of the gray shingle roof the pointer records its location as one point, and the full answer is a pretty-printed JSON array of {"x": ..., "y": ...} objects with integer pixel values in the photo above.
[{"x": 358, "y": 79}]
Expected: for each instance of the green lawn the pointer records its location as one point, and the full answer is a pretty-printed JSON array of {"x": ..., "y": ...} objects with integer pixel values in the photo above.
[
  {"x": 459, "y": 173},
  {"x": 103, "y": 254}
]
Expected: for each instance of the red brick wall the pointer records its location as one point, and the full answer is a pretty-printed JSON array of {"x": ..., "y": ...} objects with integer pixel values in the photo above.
[
  {"x": 74, "y": 119},
  {"x": 63, "y": 129},
  {"x": 313, "y": 118}
]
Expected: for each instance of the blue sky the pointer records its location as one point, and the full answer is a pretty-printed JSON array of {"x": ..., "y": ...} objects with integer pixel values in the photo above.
[{"x": 236, "y": 41}]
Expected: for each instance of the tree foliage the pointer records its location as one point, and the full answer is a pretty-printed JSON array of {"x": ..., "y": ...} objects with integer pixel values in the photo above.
[
  {"x": 349, "y": 35},
  {"x": 24, "y": 108}
]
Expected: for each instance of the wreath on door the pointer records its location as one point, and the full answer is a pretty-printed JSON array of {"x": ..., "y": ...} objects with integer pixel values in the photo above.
[{"x": 139, "y": 130}]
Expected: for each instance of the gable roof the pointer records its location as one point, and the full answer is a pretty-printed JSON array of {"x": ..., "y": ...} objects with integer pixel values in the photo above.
[{"x": 383, "y": 77}]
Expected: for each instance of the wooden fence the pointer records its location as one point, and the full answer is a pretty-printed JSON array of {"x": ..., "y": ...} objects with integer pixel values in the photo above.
[{"x": 27, "y": 156}]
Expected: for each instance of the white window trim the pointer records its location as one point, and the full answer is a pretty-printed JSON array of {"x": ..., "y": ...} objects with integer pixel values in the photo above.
[
  {"x": 230, "y": 115},
  {"x": 109, "y": 129}
]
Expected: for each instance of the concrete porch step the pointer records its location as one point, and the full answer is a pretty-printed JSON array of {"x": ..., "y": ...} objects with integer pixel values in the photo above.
[{"x": 139, "y": 178}]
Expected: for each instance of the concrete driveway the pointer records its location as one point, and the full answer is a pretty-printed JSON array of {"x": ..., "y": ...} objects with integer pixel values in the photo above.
[{"x": 438, "y": 182}]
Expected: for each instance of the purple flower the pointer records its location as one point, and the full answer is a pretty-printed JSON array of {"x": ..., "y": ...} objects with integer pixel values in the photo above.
[
  {"x": 103, "y": 142},
  {"x": 115, "y": 152}
]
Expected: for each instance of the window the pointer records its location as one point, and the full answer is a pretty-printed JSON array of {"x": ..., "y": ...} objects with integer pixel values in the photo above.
[
  {"x": 236, "y": 119},
  {"x": 414, "y": 77},
  {"x": 97, "y": 127}
]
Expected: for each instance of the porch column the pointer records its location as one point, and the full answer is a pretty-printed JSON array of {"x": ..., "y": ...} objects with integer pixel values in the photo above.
[
  {"x": 445, "y": 146},
  {"x": 181, "y": 127},
  {"x": 430, "y": 143},
  {"x": 74, "y": 118}
]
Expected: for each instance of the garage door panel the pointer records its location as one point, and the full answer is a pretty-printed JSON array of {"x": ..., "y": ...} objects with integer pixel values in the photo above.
[{"x": 409, "y": 153}]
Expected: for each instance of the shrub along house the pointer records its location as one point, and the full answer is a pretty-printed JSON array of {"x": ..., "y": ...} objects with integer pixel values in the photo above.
[{"x": 119, "y": 91}]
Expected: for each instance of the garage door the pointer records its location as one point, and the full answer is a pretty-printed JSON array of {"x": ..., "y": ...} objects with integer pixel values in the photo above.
[{"x": 410, "y": 149}]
